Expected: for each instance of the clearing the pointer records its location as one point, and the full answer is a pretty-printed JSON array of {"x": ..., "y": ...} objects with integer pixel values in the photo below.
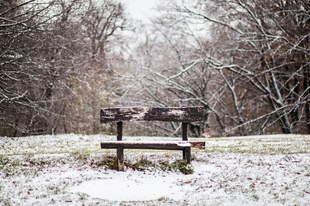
[{"x": 72, "y": 170}]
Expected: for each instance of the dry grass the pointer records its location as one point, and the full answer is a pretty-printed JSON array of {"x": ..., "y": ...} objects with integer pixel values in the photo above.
[{"x": 265, "y": 170}]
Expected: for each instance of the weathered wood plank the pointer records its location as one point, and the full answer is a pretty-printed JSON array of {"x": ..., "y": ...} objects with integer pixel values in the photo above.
[
  {"x": 120, "y": 158},
  {"x": 184, "y": 131},
  {"x": 146, "y": 145},
  {"x": 168, "y": 114},
  {"x": 198, "y": 144},
  {"x": 187, "y": 154},
  {"x": 119, "y": 131}
]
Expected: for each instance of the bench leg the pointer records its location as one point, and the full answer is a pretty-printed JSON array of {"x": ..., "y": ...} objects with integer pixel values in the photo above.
[
  {"x": 120, "y": 158},
  {"x": 187, "y": 150},
  {"x": 119, "y": 131},
  {"x": 184, "y": 131},
  {"x": 187, "y": 154}
]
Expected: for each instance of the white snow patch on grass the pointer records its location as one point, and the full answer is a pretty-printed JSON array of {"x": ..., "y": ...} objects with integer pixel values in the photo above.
[
  {"x": 68, "y": 170},
  {"x": 133, "y": 186}
]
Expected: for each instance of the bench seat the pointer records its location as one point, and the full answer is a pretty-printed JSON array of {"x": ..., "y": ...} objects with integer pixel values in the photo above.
[{"x": 160, "y": 145}]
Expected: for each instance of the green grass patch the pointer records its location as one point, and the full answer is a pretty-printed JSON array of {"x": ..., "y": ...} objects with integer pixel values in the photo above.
[
  {"x": 179, "y": 165},
  {"x": 144, "y": 163}
]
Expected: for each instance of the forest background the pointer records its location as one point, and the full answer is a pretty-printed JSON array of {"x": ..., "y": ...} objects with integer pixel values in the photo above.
[{"x": 245, "y": 61}]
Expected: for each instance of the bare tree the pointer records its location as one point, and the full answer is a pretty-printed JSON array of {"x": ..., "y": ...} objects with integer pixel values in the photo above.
[
  {"x": 256, "y": 51},
  {"x": 268, "y": 52},
  {"x": 53, "y": 64},
  {"x": 22, "y": 75},
  {"x": 101, "y": 26},
  {"x": 167, "y": 73}
]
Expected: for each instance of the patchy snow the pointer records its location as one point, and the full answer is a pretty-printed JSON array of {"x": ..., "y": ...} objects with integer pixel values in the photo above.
[
  {"x": 140, "y": 115},
  {"x": 176, "y": 112},
  {"x": 66, "y": 170},
  {"x": 184, "y": 144},
  {"x": 228, "y": 179},
  {"x": 133, "y": 186}
]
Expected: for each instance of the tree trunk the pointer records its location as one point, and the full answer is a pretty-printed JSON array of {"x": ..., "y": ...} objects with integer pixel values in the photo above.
[
  {"x": 307, "y": 105},
  {"x": 295, "y": 113}
]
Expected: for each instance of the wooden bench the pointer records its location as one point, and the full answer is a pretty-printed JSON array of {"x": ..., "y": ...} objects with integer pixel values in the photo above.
[{"x": 167, "y": 114}]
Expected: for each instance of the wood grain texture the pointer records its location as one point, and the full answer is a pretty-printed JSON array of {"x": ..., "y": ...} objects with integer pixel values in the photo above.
[{"x": 167, "y": 114}]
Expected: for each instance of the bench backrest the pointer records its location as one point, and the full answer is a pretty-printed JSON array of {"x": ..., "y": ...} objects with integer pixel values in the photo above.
[{"x": 168, "y": 114}]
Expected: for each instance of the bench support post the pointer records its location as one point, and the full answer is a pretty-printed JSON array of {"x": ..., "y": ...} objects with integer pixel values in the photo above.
[
  {"x": 184, "y": 131},
  {"x": 119, "y": 131},
  {"x": 120, "y": 149},
  {"x": 187, "y": 155},
  {"x": 120, "y": 158},
  {"x": 186, "y": 151}
]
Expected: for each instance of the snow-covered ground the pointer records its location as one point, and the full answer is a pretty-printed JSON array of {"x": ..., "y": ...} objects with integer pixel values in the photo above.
[{"x": 68, "y": 170}]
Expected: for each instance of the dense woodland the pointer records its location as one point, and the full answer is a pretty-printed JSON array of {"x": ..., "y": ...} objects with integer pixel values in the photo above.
[{"x": 247, "y": 62}]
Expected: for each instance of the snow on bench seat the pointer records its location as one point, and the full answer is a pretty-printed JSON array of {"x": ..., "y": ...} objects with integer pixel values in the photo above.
[{"x": 161, "y": 145}]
